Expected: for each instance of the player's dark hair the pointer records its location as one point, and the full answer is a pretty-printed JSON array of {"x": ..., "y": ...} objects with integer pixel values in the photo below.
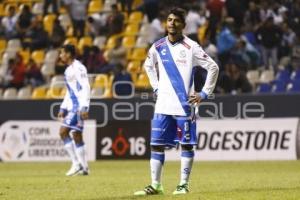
[
  {"x": 179, "y": 12},
  {"x": 69, "y": 48}
]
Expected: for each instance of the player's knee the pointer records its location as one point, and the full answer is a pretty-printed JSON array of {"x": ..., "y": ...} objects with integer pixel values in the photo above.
[
  {"x": 157, "y": 148},
  {"x": 63, "y": 132},
  {"x": 77, "y": 138},
  {"x": 187, "y": 147}
]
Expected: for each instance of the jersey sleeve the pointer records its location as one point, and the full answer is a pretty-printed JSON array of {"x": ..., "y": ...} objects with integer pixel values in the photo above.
[
  {"x": 200, "y": 58},
  {"x": 149, "y": 65},
  {"x": 83, "y": 88}
]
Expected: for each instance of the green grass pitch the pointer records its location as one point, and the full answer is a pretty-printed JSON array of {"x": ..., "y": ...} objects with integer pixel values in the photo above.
[{"x": 274, "y": 180}]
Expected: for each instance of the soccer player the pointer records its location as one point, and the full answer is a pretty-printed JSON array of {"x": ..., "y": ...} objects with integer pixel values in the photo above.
[
  {"x": 176, "y": 56},
  {"x": 74, "y": 109}
]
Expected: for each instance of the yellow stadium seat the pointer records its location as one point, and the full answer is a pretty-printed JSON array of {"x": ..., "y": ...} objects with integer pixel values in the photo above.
[
  {"x": 2, "y": 10},
  {"x": 131, "y": 29},
  {"x": 135, "y": 17},
  {"x": 70, "y": 31},
  {"x": 71, "y": 40},
  {"x": 95, "y": 6},
  {"x": 39, "y": 93},
  {"x": 48, "y": 22},
  {"x": 38, "y": 56},
  {"x": 201, "y": 32},
  {"x": 107, "y": 93},
  {"x": 63, "y": 92},
  {"x": 138, "y": 54},
  {"x": 110, "y": 80},
  {"x": 111, "y": 43},
  {"x": 143, "y": 71},
  {"x": 142, "y": 81},
  {"x": 134, "y": 66},
  {"x": 25, "y": 55},
  {"x": 101, "y": 81},
  {"x": 53, "y": 93},
  {"x": 134, "y": 77},
  {"x": 84, "y": 41},
  {"x": 128, "y": 42},
  {"x": 3, "y": 44}
]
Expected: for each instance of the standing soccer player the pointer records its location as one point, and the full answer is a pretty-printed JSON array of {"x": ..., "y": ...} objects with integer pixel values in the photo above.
[
  {"x": 176, "y": 56},
  {"x": 74, "y": 109}
]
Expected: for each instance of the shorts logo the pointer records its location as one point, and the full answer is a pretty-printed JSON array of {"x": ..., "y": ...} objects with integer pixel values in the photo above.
[
  {"x": 187, "y": 136},
  {"x": 186, "y": 126}
]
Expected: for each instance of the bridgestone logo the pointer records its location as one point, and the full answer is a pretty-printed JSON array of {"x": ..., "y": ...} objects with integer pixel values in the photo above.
[{"x": 244, "y": 140}]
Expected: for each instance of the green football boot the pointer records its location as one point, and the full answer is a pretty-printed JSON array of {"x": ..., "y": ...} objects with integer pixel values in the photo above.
[
  {"x": 181, "y": 189},
  {"x": 150, "y": 190}
]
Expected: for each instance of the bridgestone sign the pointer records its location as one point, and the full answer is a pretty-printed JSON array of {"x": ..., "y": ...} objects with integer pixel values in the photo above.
[{"x": 261, "y": 139}]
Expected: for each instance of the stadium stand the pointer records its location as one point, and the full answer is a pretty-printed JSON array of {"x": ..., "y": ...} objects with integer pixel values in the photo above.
[{"x": 283, "y": 76}]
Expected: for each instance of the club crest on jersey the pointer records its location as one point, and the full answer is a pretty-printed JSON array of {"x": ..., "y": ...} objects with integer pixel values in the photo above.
[{"x": 182, "y": 54}]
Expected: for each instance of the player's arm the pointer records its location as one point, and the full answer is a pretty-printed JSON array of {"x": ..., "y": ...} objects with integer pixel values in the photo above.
[
  {"x": 63, "y": 107},
  {"x": 150, "y": 69},
  {"x": 200, "y": 58},
  {"x": 83, "y": 89}
]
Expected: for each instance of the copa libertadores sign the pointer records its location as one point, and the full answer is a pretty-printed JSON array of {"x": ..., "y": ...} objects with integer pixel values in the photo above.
[{"x": 40, "y": 141}]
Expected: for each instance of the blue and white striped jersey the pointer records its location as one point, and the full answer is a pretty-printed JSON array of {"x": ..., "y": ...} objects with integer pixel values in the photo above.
[
  {"x": 77, "y": 97},
  {"x": 174, "y": 82}
]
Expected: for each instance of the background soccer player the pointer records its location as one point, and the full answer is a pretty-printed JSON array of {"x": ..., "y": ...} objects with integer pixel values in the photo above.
[
  {"x": 176, "y": 56},
  {"x": 74, "y": 109}
]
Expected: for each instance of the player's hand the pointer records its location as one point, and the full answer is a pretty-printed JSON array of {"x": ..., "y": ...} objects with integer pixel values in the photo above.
[
  {"x": 84, "y": 115},
  {"x": 194, "y": 99}
]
